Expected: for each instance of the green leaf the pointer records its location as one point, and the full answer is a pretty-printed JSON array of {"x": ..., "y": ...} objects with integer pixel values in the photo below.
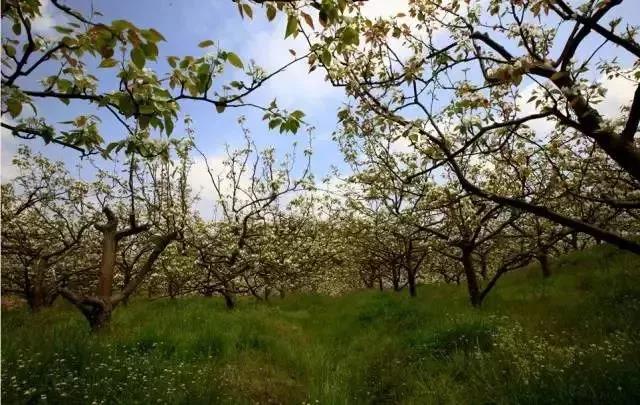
[
  {"x": 325, "y": 57},
  {"x": 205, "y": 44},
  {"x": 292, "y": 26},
  {"x": 150, "y": 50},
  {"x": 220, "y": 107},
  {"x": 168, "y": 124},
  {"x": 271, "y": 12},
  {"x": 126, "y": 105},
  {"x": 350, "y": 36},
  {"x": 108, "y": 63},
  {"x": 63, "y": 30},
  {"x": 172, "y": 61},
  {"x": 274, "y": 123},
  {"x": 234, "y": 60},
  {"x": 247, "y": 10},
  {"x": 14, "y": 106},
  {"x": 147, "y": 109},
  {"x": 110, "y": 147},
  {"x": 297, "y": 114},
  {"x": 121, "y": 25},
  {"x": 138, "y": 58},
  {"x": 10, "y": 50},
  {"x": 143, "y": 121},
  {"x": 152, "y": 35}
]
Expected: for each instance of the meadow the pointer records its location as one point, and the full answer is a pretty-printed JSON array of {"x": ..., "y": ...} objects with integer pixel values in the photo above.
[{"x": 572, "y": 338}]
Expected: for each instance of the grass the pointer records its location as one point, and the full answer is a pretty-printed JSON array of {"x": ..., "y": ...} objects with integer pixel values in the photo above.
[{"x": 573, "y": 338}]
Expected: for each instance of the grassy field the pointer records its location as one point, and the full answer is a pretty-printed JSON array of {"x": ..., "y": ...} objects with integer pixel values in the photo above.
[{"x": 574, "y": 338}]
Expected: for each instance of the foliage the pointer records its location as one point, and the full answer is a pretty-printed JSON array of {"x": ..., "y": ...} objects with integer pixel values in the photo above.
[{"x": 146, "y": 98}]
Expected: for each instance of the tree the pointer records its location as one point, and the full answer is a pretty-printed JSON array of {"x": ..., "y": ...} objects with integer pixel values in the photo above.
[
  {"x": 44, "y": 224},
  {"x": 248, "y": 188},
  {"x": 455, "y": 90},
  {"x": 147, "y": 192}
]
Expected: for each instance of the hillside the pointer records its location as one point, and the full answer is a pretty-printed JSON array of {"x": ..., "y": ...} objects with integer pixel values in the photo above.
[{"x": 573, "y": 338}]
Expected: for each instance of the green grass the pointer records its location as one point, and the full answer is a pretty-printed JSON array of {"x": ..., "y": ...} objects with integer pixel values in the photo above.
[{"x": 571, "y": 339}]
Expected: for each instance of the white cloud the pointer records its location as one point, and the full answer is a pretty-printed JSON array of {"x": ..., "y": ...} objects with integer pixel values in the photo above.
[
  {"x": 384, "y": 8},
  {"x": 8, "y": 147},
  {"x": 619, "y": 93},
  {"x": 200, "y": 182},
  {"x": 48, "y": 18},
  {"x": 295, "y": 86}
]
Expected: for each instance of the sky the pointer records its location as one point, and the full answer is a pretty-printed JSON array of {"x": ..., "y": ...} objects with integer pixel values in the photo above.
[{"x": 185, "y": 23}]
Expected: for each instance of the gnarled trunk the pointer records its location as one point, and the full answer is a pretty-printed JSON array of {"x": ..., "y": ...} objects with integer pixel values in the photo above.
[{"x": 98, "y": 315}]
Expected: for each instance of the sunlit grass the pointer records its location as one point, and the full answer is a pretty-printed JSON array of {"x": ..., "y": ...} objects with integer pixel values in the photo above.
[{"x": 571, "y": 339}]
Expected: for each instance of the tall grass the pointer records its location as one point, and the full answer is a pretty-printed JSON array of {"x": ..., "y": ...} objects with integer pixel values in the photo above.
[{"x": 571, "y": 339}]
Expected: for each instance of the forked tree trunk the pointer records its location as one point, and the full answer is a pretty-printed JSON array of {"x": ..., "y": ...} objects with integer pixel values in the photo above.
[
  {"x": 99, "y": 316},
  {"x": 97, "y": 309}
]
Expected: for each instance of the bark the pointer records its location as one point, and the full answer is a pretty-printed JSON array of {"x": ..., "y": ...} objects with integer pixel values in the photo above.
[
  {"x": 37, "y": 294},
  {"x": 484, "y": 267},
  {"x": 472, "y": 278},
  {"x": 412, "y": 283},
  {"x": 229, "y": 299},
  {"x": 99, "y": 316},
  {"x": 96, "y": 310},
  {"x": 395, "y": 280},
  {"x": 108, "y": 261},
  {"x": 543, "y": 259}
]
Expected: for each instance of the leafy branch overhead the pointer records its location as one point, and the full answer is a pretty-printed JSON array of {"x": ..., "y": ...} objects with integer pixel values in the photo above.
[{"x": 146, "y": 98}]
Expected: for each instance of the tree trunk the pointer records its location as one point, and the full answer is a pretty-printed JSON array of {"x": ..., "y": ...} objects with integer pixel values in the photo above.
[
  {"x": 574, "y": 240},
  {"x": 37, "y": 292},
  {"x": 484, "y": 267},
  {"x": 412, "y": 283},
  {"x": 228, "y": 299},
  {"x": 395, "y": 279},
  {"x": 543, "y": 259},
  {"x": 109, "y": 250},
  {"x": 37, "y": 298},
  {"x": 99, "y": 316},
  {"x": 472, "y": 278}
]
